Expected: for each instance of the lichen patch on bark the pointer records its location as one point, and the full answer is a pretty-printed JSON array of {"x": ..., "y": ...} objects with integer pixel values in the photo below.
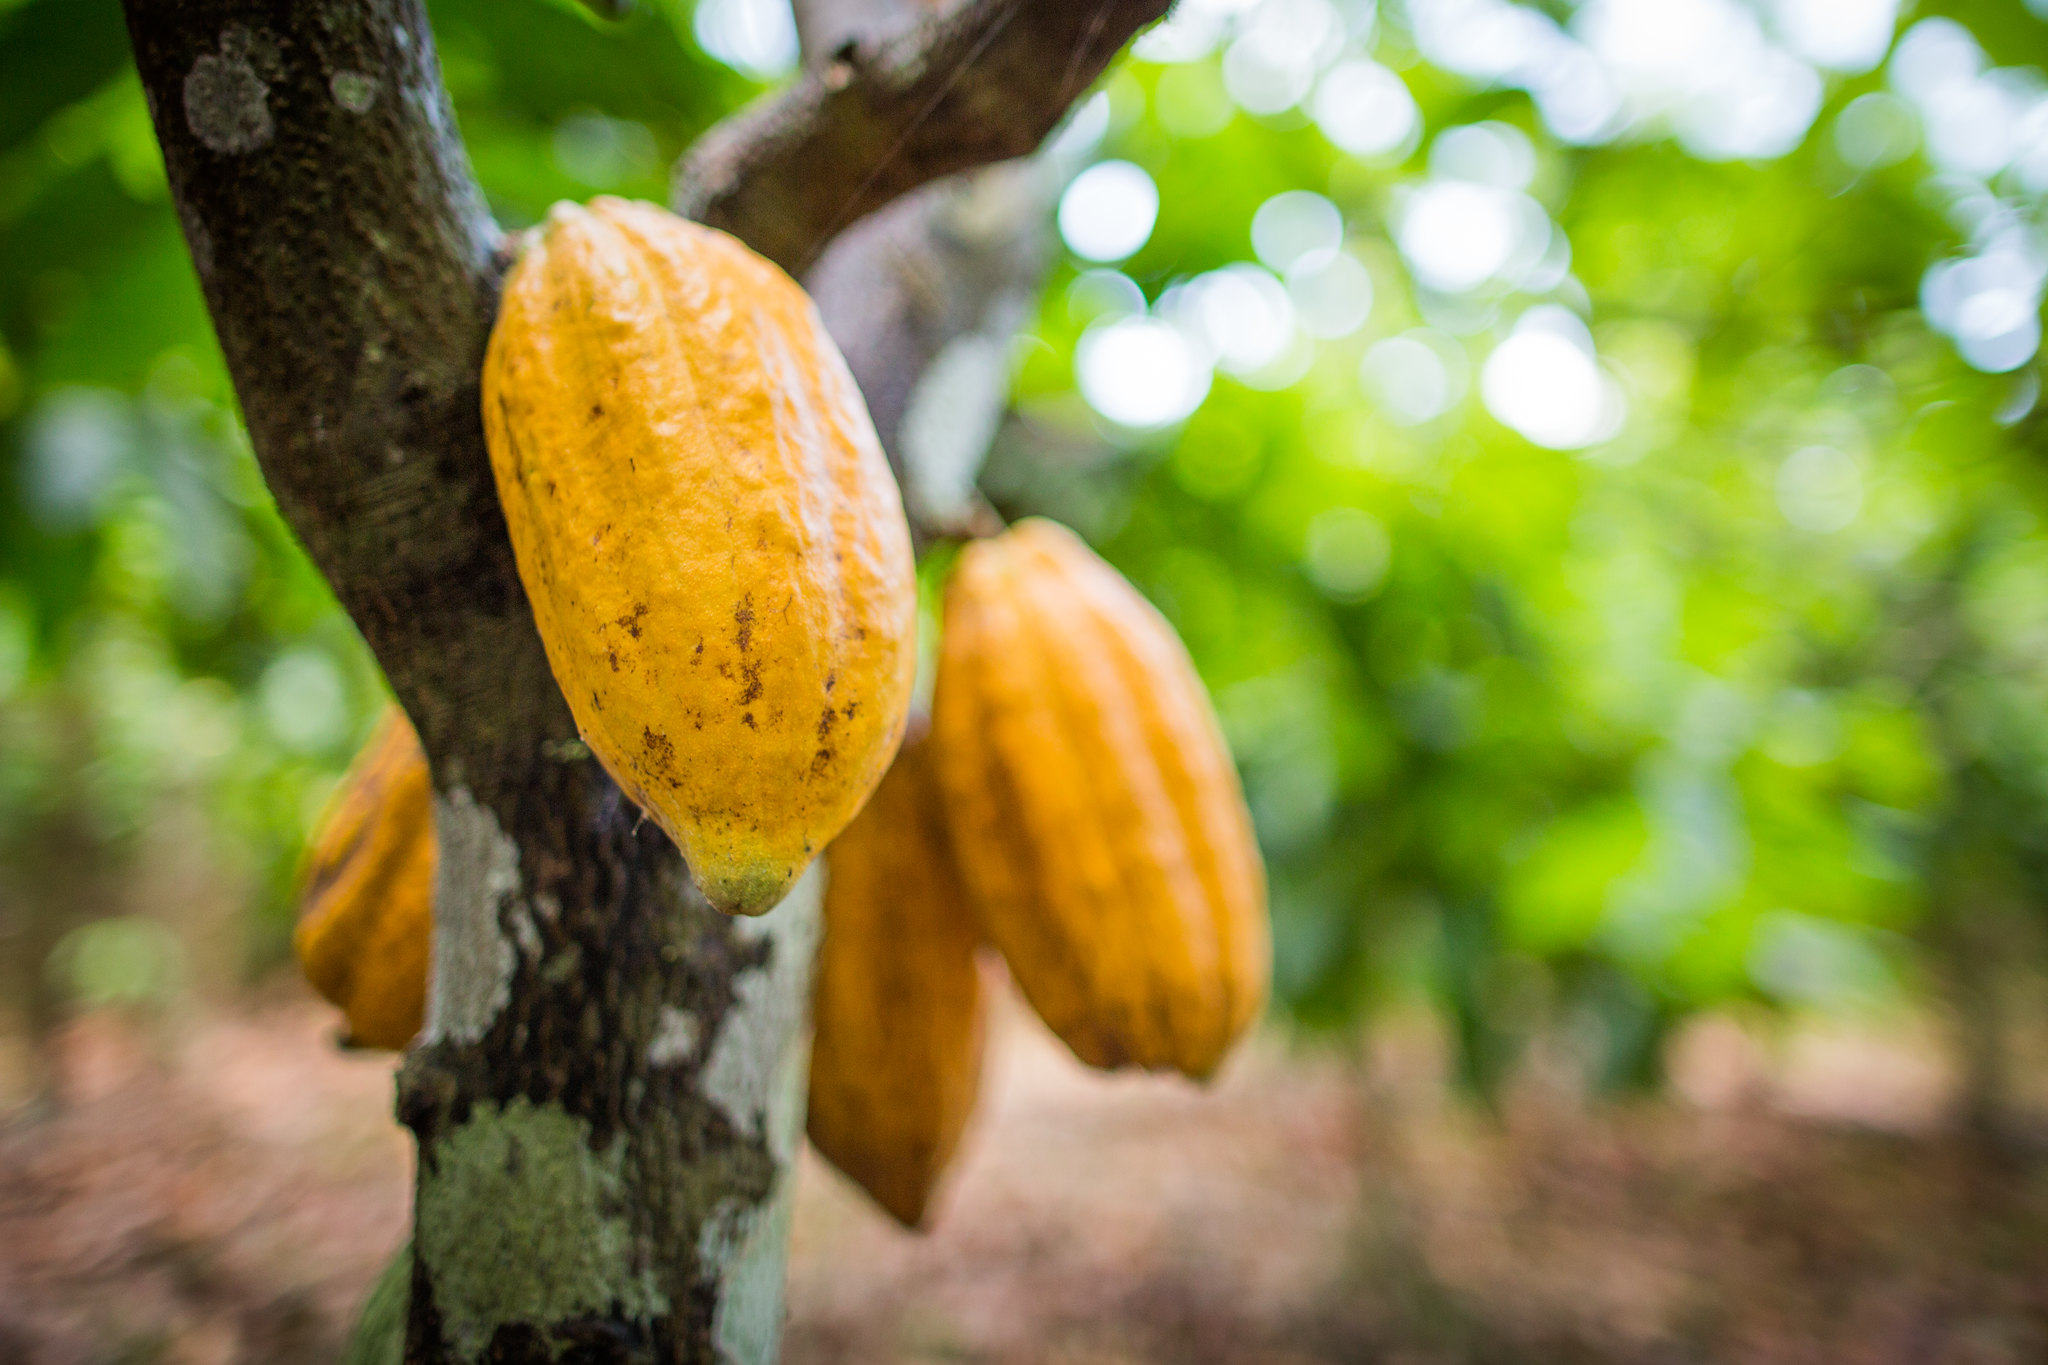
[
  {"x": 521, "y": 1221},
  {"x": 788, "y": 1091},
  {"x": 771, "y": 1003},
  {"x": 675, "y": 1037},
  {"x": 749, "y": 1245},
  {"x": 353, "y": 91},
  {"x": 227, "y": 104},
  {"x": 473, "y": 957}
]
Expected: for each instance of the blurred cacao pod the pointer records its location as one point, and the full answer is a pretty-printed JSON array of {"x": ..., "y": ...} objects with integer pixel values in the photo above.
[
  {"x": 896, "y": 1056},
  {"x": 366, "y": 890},
  {"x": 1093, "y": 807},
  {"x": 711, "y": 539}
]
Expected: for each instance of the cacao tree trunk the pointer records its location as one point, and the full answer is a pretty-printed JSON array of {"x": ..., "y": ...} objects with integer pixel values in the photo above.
[{"x": 609, "y": 1089}]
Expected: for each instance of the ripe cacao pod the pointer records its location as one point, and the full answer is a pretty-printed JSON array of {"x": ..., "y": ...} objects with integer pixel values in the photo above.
[
  {"x": 710, "y": 537},
  {"x": 898, "y": 1009},
  {"x": 1093, "y": 807},
  {"x": 366, "y": 890}
]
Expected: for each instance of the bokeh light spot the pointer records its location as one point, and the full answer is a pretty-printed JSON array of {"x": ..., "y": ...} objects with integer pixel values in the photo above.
[
  {"x": 1820, "y": 489},
  {"x": 1140, "y": 372},
  {"x": 756, "y": 37},
  {"x": 1108, "y": 212},
  {"x": 1544, "y": 382}
]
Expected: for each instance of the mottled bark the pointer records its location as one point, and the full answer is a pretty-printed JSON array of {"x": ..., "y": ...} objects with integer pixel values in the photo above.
[{"x": 609, "y": 1089}]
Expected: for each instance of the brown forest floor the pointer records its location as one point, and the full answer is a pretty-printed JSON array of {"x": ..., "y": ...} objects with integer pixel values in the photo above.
[{"x": 227, "y": 1194}]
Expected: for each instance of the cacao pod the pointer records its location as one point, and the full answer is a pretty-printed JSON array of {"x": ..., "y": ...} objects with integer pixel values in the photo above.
[
  {"x": 711, "y": 539},
  {"x": 1093, "y": 807},
  {"x": 366, "y": 890},
  {"x": 898, "y": 1009}
]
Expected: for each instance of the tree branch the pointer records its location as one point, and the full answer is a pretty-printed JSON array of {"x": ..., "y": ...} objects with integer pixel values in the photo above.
[{"x": 981, "y": 83}]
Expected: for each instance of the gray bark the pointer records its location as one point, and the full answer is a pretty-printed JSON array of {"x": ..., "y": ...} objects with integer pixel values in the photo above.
[
  {"x": 609, "y": 1090},
  {"x": 924, "y": 296}
]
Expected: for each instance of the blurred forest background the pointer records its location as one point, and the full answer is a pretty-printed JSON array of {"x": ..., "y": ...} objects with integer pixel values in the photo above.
[{"x": 1593, "y": 451}]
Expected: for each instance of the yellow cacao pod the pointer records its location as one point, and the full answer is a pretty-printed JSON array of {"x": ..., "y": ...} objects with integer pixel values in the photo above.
[
  {"x": 1094, "y": 808},
  {"x": 709, "y": 534},
  {"x": 366, "y": 890},
  {"x": 898, "y": 1010}
]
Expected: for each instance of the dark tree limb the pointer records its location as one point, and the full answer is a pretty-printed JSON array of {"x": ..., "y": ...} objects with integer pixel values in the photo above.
[{"x": 981, "y": 83}]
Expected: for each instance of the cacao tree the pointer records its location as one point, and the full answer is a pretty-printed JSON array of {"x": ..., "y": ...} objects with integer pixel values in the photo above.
[{"x": 608, "y": 1092}]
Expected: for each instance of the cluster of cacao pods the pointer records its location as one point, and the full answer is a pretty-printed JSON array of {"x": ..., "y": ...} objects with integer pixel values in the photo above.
[
  {"x": 719, "y": 568},
  {"x": 1075, "y": 807}
]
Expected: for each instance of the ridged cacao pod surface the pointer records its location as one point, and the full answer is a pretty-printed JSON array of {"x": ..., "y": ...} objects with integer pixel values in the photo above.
[
  {"x": 366, "y": 890},
  {"x": 1093, "y": 807},
  {"x": 711, "y": 539},
  {"x": 898, "y": 1008}
]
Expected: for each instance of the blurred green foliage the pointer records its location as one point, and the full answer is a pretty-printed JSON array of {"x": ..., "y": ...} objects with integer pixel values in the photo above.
[
  {"x": 1576, "y": 740},
  {"x": 1585, "y": 741}
]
